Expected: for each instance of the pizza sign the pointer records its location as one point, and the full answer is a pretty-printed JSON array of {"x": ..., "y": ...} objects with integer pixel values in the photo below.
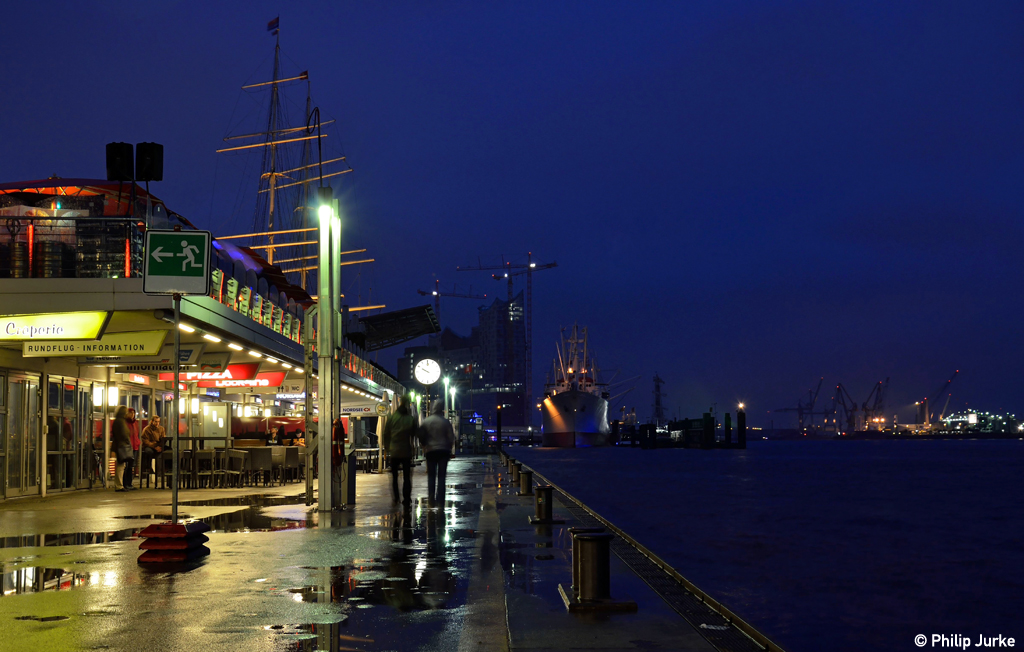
[
  {"x": 265, "y": 379},
  {"x": 245, "y": 370}
]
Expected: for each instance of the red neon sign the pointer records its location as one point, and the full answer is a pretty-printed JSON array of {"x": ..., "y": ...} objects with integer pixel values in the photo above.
[
  {"x": 245, "y": 370},
  {"x": 265, "y": 379}
]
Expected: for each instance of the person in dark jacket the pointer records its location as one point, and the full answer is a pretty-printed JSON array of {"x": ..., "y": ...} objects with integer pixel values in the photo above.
[
  {"x": 437, "y": 437},
  {"x": 133, "y": 432},
  {"x": 121, "y": 443},
  {"x": 398, "y": 433}
]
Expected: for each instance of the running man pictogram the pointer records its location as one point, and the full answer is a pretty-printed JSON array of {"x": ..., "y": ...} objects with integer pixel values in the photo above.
[{"x": 189, "y": 254}]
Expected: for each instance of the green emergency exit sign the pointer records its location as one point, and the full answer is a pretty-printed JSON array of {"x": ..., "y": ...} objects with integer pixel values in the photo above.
[{"x": 177, "y": 262}]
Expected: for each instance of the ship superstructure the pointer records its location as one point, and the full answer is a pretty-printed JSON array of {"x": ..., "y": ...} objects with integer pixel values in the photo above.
[{"x": 575, "y": 407}]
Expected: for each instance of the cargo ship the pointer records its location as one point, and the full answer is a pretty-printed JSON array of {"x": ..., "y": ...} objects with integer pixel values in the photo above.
[{"x": 575, "y": 407}]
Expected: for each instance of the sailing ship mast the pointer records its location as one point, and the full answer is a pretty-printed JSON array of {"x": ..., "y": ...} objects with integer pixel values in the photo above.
[
  {"x": 271, "y": 152},
  {"x": 272, "y": 218}
]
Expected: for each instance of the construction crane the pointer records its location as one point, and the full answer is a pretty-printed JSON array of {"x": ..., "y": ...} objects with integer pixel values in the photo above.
[
  {"x": 455, "y": 294},
  {"x": 805, "y": 409},
  {"x": 509, "y": 270},
  {"x": 924, "y": 414},
  {"x": 873, "y": 406}
]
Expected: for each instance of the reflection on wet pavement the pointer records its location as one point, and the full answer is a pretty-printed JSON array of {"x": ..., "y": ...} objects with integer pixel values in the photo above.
[
  {"x": 426, "y": 570},
  {"x": 521, "y": 549},
  {"x": 317, "y": 636},
  {"x": 251, "y": 519},
  {"x": 417, "y": 575},
  {"x": 72, "y": 539},
  {"x": 37, "y": 579},
  {"x": 249, "y": 500},
  {"x": 380, "y": 580}
]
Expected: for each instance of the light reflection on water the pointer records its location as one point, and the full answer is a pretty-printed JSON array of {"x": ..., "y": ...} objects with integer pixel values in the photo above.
[{"x": 838, "y": 544}]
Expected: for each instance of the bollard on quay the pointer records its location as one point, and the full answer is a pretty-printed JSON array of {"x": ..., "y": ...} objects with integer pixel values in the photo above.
[
  {"x": 591, "y": 564},
  {"x": 595, "y": 560},
  {"x": 526, "y": 483},
  {"x": 574, "y": 532},
  {"x": 543, "y": 495},
  {"x": 515, "y": 468}
]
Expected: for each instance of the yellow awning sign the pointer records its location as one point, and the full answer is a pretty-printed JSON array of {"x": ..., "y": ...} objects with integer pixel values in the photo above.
[
  {"x": 118, "y": 344},
  {"x": 53, "y": 326}
]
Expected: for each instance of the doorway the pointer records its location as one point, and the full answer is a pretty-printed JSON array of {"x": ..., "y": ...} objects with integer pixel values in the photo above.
[
  {"x": 22, "y": 436},
  {"x": 63, "y": 434}
]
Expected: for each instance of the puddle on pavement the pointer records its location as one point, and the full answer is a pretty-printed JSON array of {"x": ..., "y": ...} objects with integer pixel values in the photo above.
[
  {"x": 427, "y": 557},
  {"x": 249, "y": 500},
  {"x": 37, "y": 579},
  {"x": 70, "y": 539},
  {"x": 465, "y": 485},
  {"x": 243, "y": 520},
  {"x": 526, "y": 562},
  {"x": 326, "y": 637},
  {"x": 42, "y": 619},
  {"x": 406, "y": 582}
]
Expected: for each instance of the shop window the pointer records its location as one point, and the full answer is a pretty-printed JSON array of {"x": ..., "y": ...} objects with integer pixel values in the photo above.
[
  {"x": 69, "y": 395},
  {"x": 53, "y": 395}
]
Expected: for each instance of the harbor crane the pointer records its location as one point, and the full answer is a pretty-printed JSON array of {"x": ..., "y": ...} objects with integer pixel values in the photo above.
[
  {"x": 844, "y": 405},
  {"x": 804, "y": 410},
  {"x": 924, "y": 414},
  {"x": 510, "y": 269},
  {"x": 873, "y": 406},
  {"x": 455, "y": 294}
]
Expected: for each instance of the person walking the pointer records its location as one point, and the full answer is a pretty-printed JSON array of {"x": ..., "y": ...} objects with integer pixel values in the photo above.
[
  {"x": 133, "y": 432},
  {"x": 398, "y": 433},
  {"x": 121, "y": 442},
  {"x": 437, "y": 437}
]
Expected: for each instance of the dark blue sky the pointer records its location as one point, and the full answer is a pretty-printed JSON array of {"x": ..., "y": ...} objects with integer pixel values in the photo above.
[{"x": 741, "y": 196}]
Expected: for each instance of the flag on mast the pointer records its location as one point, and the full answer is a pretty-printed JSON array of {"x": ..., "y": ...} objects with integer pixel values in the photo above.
[{"x": 273, "y": 25}]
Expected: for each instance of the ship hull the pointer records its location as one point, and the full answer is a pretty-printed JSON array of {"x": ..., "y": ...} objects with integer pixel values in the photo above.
[{"x": 575, "y": 419}]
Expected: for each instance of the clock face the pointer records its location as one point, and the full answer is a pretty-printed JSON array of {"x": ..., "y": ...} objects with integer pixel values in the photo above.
[{"x": 427, "y": 372}]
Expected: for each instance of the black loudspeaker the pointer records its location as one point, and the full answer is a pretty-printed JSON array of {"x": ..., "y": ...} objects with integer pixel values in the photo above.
[
  {"x": 149, "y": 162},
  {"x": 120, "y": 162}
]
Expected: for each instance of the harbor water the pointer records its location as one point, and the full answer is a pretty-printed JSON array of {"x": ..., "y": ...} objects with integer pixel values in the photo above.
[{"x": 838, "y": 545}]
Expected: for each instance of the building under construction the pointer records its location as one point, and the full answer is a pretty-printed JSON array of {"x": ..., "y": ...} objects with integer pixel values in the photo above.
[{"x": 488, "y": 367}]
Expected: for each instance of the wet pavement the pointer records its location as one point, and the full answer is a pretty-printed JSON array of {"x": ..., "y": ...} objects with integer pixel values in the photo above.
[{"x": 472, "y": 574}]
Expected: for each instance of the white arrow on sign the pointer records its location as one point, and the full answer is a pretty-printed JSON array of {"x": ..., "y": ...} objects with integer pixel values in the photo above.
[{"x": 158, "y": 256}]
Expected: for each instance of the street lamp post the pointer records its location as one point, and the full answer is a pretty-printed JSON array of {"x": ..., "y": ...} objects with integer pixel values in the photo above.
[
  {"x": 328, "y": 338},
  {"x": 446, "y": 381}
]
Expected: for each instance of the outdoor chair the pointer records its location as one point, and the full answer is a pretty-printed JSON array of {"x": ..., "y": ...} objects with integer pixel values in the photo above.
[
  {"x": 165, "y": 469},
  {"x": 261, "y": 462},
  {"x": 277, "y": 462},
  {"x": 291, "y": 462},
  {"x": 203, "y": 468},
  {"x": 235, "y": 467},
  {"x": 220, "y": 465}
]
